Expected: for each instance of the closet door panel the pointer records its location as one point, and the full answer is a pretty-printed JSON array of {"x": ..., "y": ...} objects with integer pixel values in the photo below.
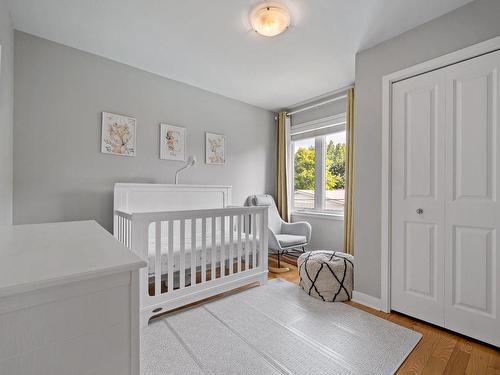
[
  {"x": 473, "y": 144},
  {"x": 418, "y": 197},
  {"x": 420, "y": 258},
  {"x": 472, "y": 263},
  {"x": 473, "y": 251}
]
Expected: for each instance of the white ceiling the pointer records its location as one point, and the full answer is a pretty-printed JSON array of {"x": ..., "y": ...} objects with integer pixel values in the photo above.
[{"x": 209, "y": 44}]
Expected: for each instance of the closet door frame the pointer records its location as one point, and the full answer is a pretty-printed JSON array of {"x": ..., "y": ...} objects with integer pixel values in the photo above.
[{"x": 467, "y": 53}]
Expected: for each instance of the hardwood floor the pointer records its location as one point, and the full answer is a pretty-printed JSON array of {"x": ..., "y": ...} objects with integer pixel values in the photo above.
[{"x": 438, "y": 352}]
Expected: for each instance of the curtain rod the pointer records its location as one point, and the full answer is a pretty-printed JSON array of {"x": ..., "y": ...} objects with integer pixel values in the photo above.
[{"x": 320, "y": 103}]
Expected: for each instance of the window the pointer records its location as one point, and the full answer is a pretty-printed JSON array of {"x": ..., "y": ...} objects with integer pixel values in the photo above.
[{"x": 318, "y": 168}]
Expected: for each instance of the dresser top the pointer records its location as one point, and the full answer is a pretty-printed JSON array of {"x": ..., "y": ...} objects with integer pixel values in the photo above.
[{"x": 41, "y": 255}]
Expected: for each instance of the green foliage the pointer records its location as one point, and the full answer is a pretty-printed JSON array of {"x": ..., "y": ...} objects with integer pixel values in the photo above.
[
  {"x": 334, "y": 165},
  {"x": 304, "y": 168}
]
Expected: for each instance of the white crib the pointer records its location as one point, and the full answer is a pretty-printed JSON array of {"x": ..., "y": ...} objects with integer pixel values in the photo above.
[{"x": 195, "y": 244}]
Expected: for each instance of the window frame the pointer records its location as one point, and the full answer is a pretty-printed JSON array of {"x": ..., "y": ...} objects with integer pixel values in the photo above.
[{"x": 336, "y": 124}]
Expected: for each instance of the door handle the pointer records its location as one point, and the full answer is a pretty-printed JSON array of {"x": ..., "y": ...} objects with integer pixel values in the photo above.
[{"x": 420, "y": 211}]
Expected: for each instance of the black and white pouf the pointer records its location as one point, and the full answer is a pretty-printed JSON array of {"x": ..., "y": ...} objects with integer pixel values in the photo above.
[{"x": 327, "y": 275}]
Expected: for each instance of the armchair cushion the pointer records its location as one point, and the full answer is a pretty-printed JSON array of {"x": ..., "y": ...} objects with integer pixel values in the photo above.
[
  {"x": 287, "y": 240},
  {"x": 299, "y": 228},
  {"x": 282, "y": 235}
]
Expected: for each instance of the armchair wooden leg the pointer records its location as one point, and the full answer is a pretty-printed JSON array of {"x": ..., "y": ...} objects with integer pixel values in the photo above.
[{"x": 279, "y": 269}]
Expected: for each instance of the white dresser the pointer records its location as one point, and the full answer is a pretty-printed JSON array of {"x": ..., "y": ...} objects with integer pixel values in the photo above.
[{"x": 69, "y": 301}]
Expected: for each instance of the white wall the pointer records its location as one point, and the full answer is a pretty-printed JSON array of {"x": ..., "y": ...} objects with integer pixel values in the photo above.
[
  {"x": 6, "y": 113},
  {"x": 473, "y": 23},
  {"x": 59, "y": 172}
]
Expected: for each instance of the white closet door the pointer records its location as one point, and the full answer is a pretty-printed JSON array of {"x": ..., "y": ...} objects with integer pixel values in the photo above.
[
  {"x": 472, "y": 303},
  {"x": 418, "y": 196}
]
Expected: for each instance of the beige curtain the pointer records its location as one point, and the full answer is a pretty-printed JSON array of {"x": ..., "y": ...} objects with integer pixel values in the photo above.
[
  {"x": 349, "y": 178},
  {"x": 281, "y": 185}
]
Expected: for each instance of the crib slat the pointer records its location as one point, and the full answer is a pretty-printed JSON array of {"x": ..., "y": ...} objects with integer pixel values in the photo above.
[
  {"x": 193, "y": 251},
  {"x": 231, "y": 245},
  {"x": 247, "y": 242},
  {"x": 170, "y": 260},
  {"x": 203, "y": 250},
  {"x": 140, "y": 247},
  {"x": 125, "y": 231},
  {"x": 129, "y": 231},
  {"x": 254, "y": 240},
  {"x": 121, "y": 229},
  {"x": 124, "y": 239},
  {"x": 264, "y": 233},
  {"x": 222, "y": 246},
  {"x": 182, "y": 255},
  {"x": 212, "y": 250},
  {"x": 239, "y": 248},
  {"x": 261, "y": 239},
  {"x": 157, "y": 258}
]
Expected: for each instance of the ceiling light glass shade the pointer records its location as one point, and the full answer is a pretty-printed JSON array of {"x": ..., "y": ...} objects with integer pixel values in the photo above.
[{"x": 270, "y": 19}]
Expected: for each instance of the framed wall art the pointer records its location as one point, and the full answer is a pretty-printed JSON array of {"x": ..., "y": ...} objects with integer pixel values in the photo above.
[
  {"x": 172, "y": 142},
  {"x": 118, "y": 134},
  {"x": 215, "y": 149}
]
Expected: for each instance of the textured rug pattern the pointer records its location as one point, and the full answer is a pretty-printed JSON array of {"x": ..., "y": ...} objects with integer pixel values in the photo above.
[{"x": 274, "y": 329}]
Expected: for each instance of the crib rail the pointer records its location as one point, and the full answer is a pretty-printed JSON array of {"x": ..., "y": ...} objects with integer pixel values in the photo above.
[{"x": 190, "y": 252}]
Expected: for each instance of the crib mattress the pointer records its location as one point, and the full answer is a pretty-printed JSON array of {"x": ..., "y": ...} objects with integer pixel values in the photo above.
[{"x": 188, "y": 248}]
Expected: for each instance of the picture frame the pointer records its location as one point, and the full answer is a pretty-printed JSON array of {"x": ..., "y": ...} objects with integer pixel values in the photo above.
[
  {"x": 215, "y": 149},
  {"x": 118, "y": 134},
  {"x": 172, "y": 142}
]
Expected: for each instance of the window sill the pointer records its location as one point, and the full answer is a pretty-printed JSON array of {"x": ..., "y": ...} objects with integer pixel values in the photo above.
[{"x": 337, "y": 216}]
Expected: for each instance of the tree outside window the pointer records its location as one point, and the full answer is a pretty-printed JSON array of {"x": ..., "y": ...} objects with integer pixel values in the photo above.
[{"x": 334, "y": 172}]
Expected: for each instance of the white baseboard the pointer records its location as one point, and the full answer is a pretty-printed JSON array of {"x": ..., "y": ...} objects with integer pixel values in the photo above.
[{"x": 367, "y": 300}]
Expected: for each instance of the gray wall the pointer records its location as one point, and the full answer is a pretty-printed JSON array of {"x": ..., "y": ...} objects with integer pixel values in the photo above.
[
  {"x": 473, "y": 23},
  {"x": 327, "y": 233},
  {"x": 6, "y": 113},
  {"x": 59, "y": 172}
]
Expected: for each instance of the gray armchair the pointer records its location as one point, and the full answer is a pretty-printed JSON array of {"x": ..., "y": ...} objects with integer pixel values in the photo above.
[{"x": 284, "y": 237}]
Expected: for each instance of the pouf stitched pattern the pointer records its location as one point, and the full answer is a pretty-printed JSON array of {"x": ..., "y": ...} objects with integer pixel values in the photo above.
[{"x": 327, "y": 275}]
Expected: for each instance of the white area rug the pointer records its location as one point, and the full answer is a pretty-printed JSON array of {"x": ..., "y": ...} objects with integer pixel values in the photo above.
[{"x": 274, "y": 329}]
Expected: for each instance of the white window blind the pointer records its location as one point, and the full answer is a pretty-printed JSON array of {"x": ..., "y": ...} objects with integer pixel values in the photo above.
[{"x": 320, "y": 127}]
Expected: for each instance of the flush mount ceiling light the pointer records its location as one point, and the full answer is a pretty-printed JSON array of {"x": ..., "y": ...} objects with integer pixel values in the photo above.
[{"x": 270, "y": 18}]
